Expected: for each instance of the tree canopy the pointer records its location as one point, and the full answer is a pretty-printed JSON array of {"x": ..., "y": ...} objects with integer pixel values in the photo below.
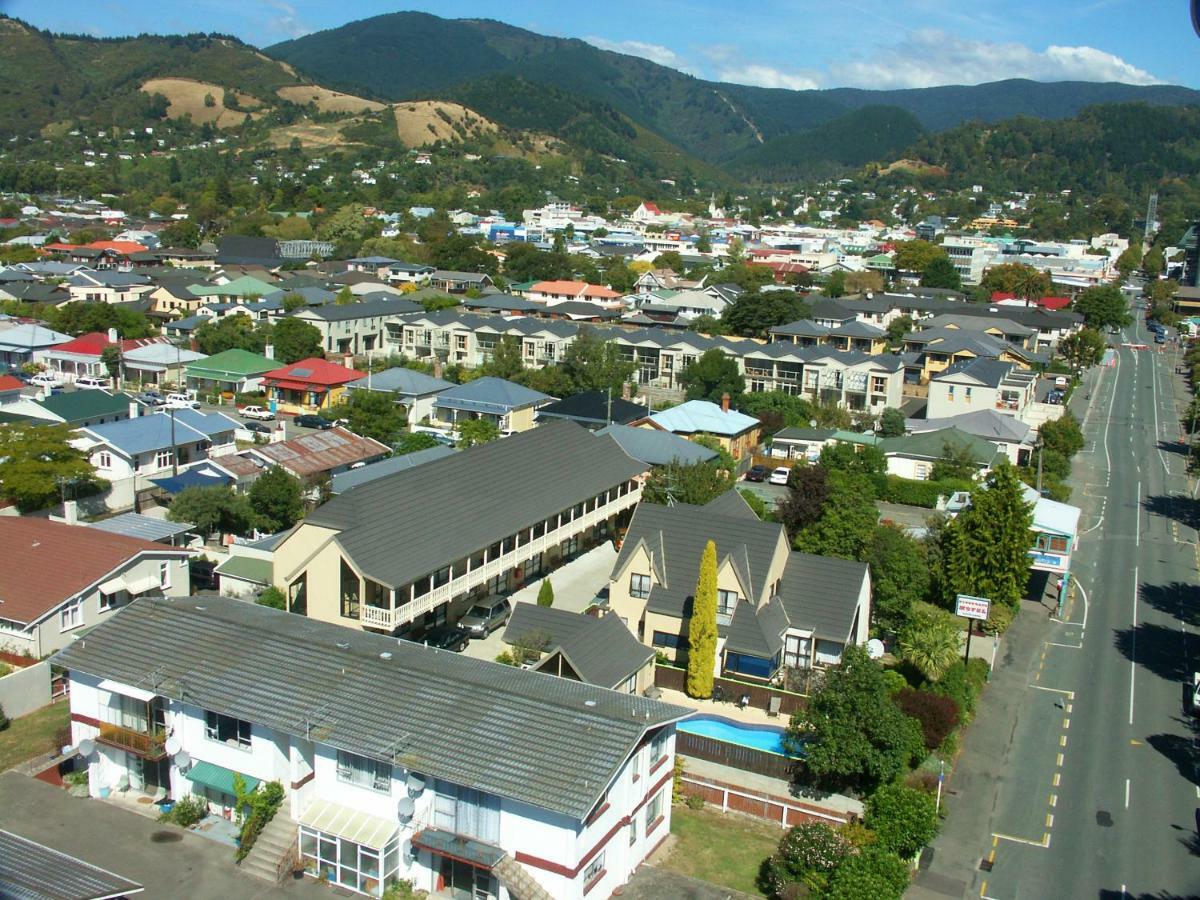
[
  {"x": 37, "y": 465},
  {"x": 236, "y": 332},
  {"x": 277, "y": 499},
  {"x": 754, "y": 315},
  {"x": 702, "y": 626},
  {"x": 847, "y": 519},
  {"x": 593, "y": 364},
  {"x": 695, "y": 483},
  {"x": 1103, "y": 306},
  {"x": 213, "y": 509},
  {"x": 295, "y": 339},
  {"x": 711, "y": 376},
  {"x": 373, "y": 414}
]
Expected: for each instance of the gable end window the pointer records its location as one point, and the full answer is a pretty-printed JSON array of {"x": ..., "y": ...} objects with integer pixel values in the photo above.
[{"x": 639, "y": 586}]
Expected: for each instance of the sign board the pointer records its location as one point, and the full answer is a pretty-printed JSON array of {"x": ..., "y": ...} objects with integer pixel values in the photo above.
[{"x": 971, "y": 607}]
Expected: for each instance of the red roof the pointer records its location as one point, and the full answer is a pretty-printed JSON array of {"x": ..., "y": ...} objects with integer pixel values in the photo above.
[
  {"x": 301, "y": 375},
  {"x": 125, "y": 247},
  {"x": 10, "y": 383},
  {"x": 93, "y": 344},
  {"x": 1003, "y": 295},
  {"x": 49, "y": 562},
  {"x": 651, "y": 207},
  {"x": 1054, "y": 302}
]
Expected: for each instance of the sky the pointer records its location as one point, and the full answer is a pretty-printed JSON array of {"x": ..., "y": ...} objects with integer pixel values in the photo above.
[{"x": 798, "y": 44}]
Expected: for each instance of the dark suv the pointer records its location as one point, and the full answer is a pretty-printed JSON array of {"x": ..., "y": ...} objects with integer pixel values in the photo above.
[
  {"x": 444, "y": 637},
  {"x": 310, "y": 421},
  {"x": 756, "y": 473}
]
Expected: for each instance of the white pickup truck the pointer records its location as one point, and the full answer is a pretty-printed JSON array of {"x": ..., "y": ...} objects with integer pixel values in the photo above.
[{"x": 256, "y": 412}]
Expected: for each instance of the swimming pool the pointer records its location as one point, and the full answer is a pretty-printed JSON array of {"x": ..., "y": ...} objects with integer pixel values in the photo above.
[{"x": 757, "y": 737}]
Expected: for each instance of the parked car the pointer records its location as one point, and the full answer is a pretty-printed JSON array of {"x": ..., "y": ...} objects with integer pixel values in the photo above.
[
  {"x": 90, "y": 382},
  {"x": 256, "y": 412},
  {"x": 484, "y": 618},
  {"x": 181, "y": 401},
  {"x": 49, "y": 378},
  {"x": 258, "y": 428},
  {"x": 780, "y": 475},
  {"x": 756, "y": 473},
  {"x": 1055, "y": 397},
  {"x": 311, "y": 421},
  {"x": 445, "y": 637},
  {"x": 151, "y": 398}
]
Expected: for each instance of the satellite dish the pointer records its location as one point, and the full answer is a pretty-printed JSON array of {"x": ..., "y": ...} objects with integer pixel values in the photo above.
[
  {"x": 875, "y": 648},
  {"x": 87, "y": 747},
  {"x": 416, "y": 784},
  {"x": 183, "y": 762},
  {"x": 405, "y": 807},
  {"x": 172, "y": 746}
]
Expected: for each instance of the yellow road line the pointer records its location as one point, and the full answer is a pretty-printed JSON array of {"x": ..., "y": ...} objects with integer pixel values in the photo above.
[
  {"x": 1060, "y": 759},
  {"x": 1066, "y": 723},
  {"x": 1057, "y": 778}
]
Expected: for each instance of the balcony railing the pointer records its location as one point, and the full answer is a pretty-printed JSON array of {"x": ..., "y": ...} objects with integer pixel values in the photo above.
[{"x": 151, "y": 745}]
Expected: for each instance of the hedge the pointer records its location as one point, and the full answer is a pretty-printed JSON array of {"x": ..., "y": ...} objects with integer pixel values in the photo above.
[{"x": 905, "y": 491}]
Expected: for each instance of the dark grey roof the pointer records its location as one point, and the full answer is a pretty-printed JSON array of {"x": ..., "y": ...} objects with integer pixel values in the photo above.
[
  {"x": 343, "y": 481},
  {"x": 600, "y": 650},
  {"x": 990, "y": 372},
  {"x": 859, "y": 330},
  {"x": 593, "y": 408},
  {"x": 580, "y": 308},
  {"x": 238, "y": 249},
  {"x": 32, "y": 871},
  {"x": 731, "y": 503},
  {"x": 399, "y": 380},
  {"x": 489, "y": 395},
  {"x": 478, "y": 724},
  {"x": 147, "y": 528},
  {"x": 805, "y": 434},
  {"x": 332, "y": 312},
  {"x": 985, "y": 423},
  {"x": 504, "y": 302},
  {"x": 821, "y": 593},
  {"x": 825, "y": 308},
  {"x": 406, "y": 525},
  {"x": 657, "y": 448},
  {"x": 802, "y": 328}
]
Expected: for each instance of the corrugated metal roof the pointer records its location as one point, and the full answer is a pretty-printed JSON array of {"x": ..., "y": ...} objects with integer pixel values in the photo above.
[
  {"x": 321, "y": 451},
  {"x": 550, "y": 742},
  {"x": 406, "y": 525},
  {"x": 146, "y": 528},
  {"x": 702, "y": 416},
  {"x": 32, "y": 871},
  {"x": 489, "y": 394},
  {"x": 657, "y": 448}
]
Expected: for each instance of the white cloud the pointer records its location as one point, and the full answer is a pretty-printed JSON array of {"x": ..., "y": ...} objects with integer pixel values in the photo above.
[
  {"x": 929, "y": 57},
  {"x": 655, "y": 53},
  {"x": 768, "y": 77},
  {"x": 287, "y": 23}
]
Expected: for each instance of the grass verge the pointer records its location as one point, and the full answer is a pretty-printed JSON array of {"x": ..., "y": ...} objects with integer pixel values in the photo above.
[
  {"x": 721, "y": 848},
  {"x": 33, "y": 734}
]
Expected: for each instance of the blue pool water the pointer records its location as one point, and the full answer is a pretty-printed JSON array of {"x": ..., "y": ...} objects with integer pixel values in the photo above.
[{"x": 757, "y": 737}]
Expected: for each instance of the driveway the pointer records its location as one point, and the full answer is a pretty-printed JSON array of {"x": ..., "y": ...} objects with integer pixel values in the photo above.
[
  {"x": 768, "y": 492},
  {"x": 184, "y": 865},
  {"x": 576, "y": 586}
]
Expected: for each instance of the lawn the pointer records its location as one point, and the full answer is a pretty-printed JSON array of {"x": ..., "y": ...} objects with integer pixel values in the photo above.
[
  {"x": 33, "y": 734},
  {"x": 721, "y": 848}
]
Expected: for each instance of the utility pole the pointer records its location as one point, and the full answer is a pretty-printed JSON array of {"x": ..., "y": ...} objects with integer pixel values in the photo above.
[
  {"x": 608, "y": 414},
  {"x": 1040, "y": 448}
]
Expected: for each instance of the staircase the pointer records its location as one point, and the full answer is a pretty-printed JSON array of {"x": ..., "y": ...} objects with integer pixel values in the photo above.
[
  {"x": 273, "y": 854},
  {"x": 521, "y": 885}
]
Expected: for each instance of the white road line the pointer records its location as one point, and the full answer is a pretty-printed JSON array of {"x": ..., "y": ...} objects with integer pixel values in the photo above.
[
  {"x": 1108, "y": 419},
  {"x": 1137, "y": 522},
  {"x": 1094, "y": 527},
  {"x": 1127, "y": 793},
  {"x": 1157, "y": 434},
  {"x": 1133, "y": 644},
  {"x": 1085, "y": 608}
]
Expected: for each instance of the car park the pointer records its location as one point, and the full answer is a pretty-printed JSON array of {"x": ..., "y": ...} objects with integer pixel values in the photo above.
[
  {"x": 310, "y": 421},
  {"x": 256, "y": 412},
  {"x": 780, "y": 475},
  {"x": 756, "y": 473},
  {"x": 485, "y": 617}
]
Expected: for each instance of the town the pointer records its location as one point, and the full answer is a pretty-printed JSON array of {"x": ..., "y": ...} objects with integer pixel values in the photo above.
[{"x": 430, "y": 521}]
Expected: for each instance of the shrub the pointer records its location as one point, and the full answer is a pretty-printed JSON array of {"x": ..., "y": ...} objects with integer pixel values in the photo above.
[
  {"x": 256, "y": 809},
  {"x": 272, "y": 597},
  {"x": 3, "y": 719},
  {"x": 4, "y": 669},
  {"x": 187, "y": 811},
  {"x": 506, "y": 659},
  {"x": 962, "y": 685},
  {"x": 938, "y": 714},
  {"x": 904, "y": 820},
  {"x": 873, "y": 873},
  {"x": 894, "y": 681},
  {"x": 808, "y": 853},
  {"x": 677, "y": 780},
  {"x": 1000, "y": 617},
  {"x": 894, "y": 489},
  {"x": 545, "y": 595},
  {"x": 695, "y": 801}
]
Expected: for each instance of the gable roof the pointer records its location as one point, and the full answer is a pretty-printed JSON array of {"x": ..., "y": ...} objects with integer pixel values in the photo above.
[
  {"x": 235, "y": 362},
  {"x": 312, "y": 371},
  {"x": 153, "y": 432},
  {"x": 821, "y": 593},
  {"x": 657, "y": 448},
  {"x": 931, "y": 445},
  {"x": 48, "y": 562},
  {"x": 403, "y": 381},
  {"x": 601, "y": 650},
  {"x": 489, "y": 395},
  {"x": 30, "y": 336},
  {"x": 409, "y": 524},
  {"x": 702, "y": 416},
  {"x": 343, "y": 481},
  {"x": 593, "y": 408},
  {"x": 77, "y": 406},
  {"x": 387, "y": 305},
  {"x": 985, "y": 423},
  {"x": 982, "y": 370},
  {"x": 320, "y": 451},
  {"x": 511, "y": 733}
]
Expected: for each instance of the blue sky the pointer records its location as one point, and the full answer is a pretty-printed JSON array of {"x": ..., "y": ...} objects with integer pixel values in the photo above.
[{"x": 774, "y": 43}]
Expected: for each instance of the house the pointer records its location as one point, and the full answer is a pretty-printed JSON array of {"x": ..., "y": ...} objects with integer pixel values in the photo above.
[
  {"x": 241, "y": 289},
  {"x": 107, "y": 287},
  {"x": 146, "y": 528},
  {"x": 344, "y": 481},
  {"x": 981, "y": 383},
  {"x": 81, "y": 408},
  {"x": 593, "y": 409},
  {"x": 400, "y": 762},
  {"x": 552, "y": 292},
  {"x": 1055, "y": 534},
  {"x": 82, "y": 356},
  {"x": 736, "y": 433},
  {"x": 322, "y": 453},
  {"x": 248, "y": 569},
  {"x": 10, "y": 389},
  {"x": 397, "y": 553},
  {"x": 802, "y": 443},
  {"x": 511, "y": 304},
  {"x": 148, "y": 445},
  {"x": 309, "y": 385},
  {"x": 510, "y": 407},
  {"x": 158, "y": 364},
  {"x": 408, "y": 273},
  {"x": 596, "y": 650},
  {"x": 413, "y": 390},
  {"x": 174, "y": 296},
  {"x": 1010, "y": 435},
  {"x": 230, "y": 371},
  {"x": 357, "y": 328},
  {"x": 657, "y": 448},
  {"x": 914, "y": 455},
  {"x": 26, "y": 343},
  {"x": 459, "y": 282},
  {"x": 776, "y": 608},
  {"x": 58, "y": 578},
  {"x": 240, "y": 250},
  {"x": 933, "y": 350},
  {"x": 372, "y": 265}
]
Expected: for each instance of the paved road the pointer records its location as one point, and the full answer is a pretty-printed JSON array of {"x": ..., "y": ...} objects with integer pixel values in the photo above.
[{"x": 1098, "y": 789}]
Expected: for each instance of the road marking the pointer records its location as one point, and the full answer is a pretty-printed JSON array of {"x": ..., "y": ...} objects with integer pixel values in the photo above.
[
  {"x": 1127, "y": 793},
  {"x": 1059, "y": 761},
  {"x": 1070, "y": 706},
  {"x": 1137, "y": 532},
  {"x": 1068, "y": 646},
  {"x": 1094, "y": 527},
  {"x": 1154, "y": 392},
  {"x": 1133, "y": 743},
  {"x": 1049, "y": 820},
  {"x": 1043, "y": 843},
  {"x": 1057, "y": 778},
  {"x": 1070, "y": 695},
  {"x": 1062, "y": 740},
  {"x": 1133, "y": 643},
  {"x": 1066, "y": 723},
  {"x": 1054, "y": 799}
]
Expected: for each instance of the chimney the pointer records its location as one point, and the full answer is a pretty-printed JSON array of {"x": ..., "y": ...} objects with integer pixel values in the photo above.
[
  {"x": 348, "y": 360},
  {"x": 626, "y": 391},
  {"x": 135, "y": 409},
  {"x": 437, "y": 367},
  {"x": 70, "y": 512},
  {"x": 112, "y": 336},
  {"x": 724, "y": 403},
  {"x": 269, "y": 351},
  {"x": 193, "y": 345}
]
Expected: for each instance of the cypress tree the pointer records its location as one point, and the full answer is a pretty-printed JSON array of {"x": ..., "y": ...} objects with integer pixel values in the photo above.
[
  {"x": 545, "y": 595},
  {"x": 702, "y": 631}
]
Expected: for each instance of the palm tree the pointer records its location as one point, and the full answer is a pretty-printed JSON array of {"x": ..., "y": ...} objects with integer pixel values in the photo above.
[
  {"x": 931, "y": 641},
  {"x": 1031, "y": 285}
]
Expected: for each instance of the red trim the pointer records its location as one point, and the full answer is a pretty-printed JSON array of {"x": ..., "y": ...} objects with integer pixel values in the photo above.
[
  {"x": 654, "y": 824},
  {"x": 598, "y": 813},
  {"x": 296, "y": 785},
  {"x": 85, "y": 720},
  {"x": 567, "y": 871},
  {"x": 596, "y": 879},
  {"x": 654, "y": 767}
]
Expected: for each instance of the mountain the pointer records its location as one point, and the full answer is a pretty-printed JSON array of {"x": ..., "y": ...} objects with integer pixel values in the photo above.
[{"x": 415, "y": 55}]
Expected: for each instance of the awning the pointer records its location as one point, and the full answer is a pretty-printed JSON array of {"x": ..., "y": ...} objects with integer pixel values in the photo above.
[
  {"x": 143, "y": 584},
  {"x": 125, "y": 690},
  {"x": 218, "y": 778},
  {"x": 190, "y": 478},
  {"x": 298, "y": 386},
  {"x": 465, "y": 849},
  {"x": 113, "y": 585},
  {"x": 344, "y": 822}
]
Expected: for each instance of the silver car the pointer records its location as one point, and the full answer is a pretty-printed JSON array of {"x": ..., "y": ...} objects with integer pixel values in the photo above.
[{"x": 485, "y": 617}]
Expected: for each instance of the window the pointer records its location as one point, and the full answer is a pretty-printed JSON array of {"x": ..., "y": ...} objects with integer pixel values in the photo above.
[
  {"x": 164, "y": 574},
  {"x": 654, "y": 811},
  {"x": 103, "y": 460},
  {"x": 71, "y": 615},
  {"x": 639, "y": 586},
  {"x": 595, "y": 868},
  {"x": 664, "y": 639},
  {"x": 368, "y": 773},
  {"x": 350, "y": 591},
  {"x": 109, "y": 601},
  {"x": 298, "y": 595},
  {"x": 726, "y": 604},
  {"x": 967, "y": 394},
  {"x": 227, "y": 730},
  {"x": 163, "y": 458},
  {"x": 658, "y": 745},
  {"x": 950, "y": 393},
  {"x": 465, "y": 811}
]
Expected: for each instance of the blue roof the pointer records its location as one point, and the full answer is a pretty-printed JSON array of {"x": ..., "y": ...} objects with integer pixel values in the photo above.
[
  {"x": 201, "y": 476},
  {"x": 153, "y": 432},
  {"x": 491, "y": 395},
  {"x": 657, "y": 448},
  {"x": 701, "y": 415},
  {"x": 400, "y": 380}
]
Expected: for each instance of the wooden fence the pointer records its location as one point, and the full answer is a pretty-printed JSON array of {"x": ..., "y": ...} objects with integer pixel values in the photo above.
[
  {"x": 735, "y": 756},
  {"x": 733, "y": 691},
  {"x": 784, "y": 811}
]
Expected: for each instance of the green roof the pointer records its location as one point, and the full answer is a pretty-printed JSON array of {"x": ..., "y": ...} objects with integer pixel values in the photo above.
[
  {"x": 78, "y": 406},
  {"x": 856, "y": 437},
  {"x": 247, "y": 568},
  {"x": 523, "y": 286},
  {"x": 218, "y": 778},
  {"x": 230, "y": 364},
  {"x": 240, "y": 287},
  {"x": 7, "y": 418},
  {"x": 931, "y": 445}
]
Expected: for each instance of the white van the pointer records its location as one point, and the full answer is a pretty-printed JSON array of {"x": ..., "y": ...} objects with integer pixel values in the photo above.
[{"x": 89, "y": 382}]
